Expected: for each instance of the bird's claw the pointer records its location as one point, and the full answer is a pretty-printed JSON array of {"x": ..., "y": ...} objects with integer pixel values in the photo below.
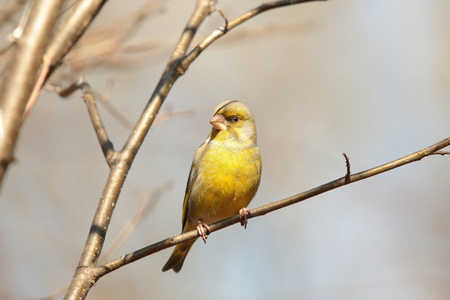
[
  {"x": 243, "y": 214},
  {"x": 203, "y": 230}
]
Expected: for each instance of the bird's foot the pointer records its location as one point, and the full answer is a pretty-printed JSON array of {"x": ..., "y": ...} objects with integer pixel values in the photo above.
[
  {"x": 203, "y": 230},
  {"x": 243, "y": 214}
]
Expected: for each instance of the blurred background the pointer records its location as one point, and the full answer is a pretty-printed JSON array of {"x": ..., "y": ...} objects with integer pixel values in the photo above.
[{"x": 369, "y": 78}]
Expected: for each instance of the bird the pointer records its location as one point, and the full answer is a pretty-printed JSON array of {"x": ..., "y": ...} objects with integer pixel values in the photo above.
[{"x": 224, "y": 176}]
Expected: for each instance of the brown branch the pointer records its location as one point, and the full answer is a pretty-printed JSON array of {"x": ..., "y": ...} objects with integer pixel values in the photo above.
[
  {"x": 202, "y": 9},
  {"x": 72, "y": 28},
  {"x": 39, "y": 83},
  {"x": 20, "y": 75},
  {"x": 347, "y": 164},
  {"x": 262, "y": 210},
  {"x": 441, "y": 153},
  {"x": 99, "y": 128},
  {"x": 225, "y": 27},
  {"x": 233, "y": 24}
]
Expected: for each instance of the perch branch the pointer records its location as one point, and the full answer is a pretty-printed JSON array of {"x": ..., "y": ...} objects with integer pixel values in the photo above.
[{"x": 262, "y": 210}]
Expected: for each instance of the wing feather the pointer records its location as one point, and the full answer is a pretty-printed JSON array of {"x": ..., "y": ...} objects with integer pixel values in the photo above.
[{"x": 191, "y": 180}]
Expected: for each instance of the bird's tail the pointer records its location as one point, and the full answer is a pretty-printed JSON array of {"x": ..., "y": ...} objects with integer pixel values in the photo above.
[{"x": 176, "y": 260}]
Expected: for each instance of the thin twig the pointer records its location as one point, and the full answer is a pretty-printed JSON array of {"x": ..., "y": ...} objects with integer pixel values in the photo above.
[
  {"x": 18, "y": 31},
  {"x": 233, "y": 24},
  {"x": 72, "y": 28},
  {"x": 441, "y": 153},
  {"x": 262, "y": 210},
  {"x": 100, "y": 130},
  {"x": 65, "y": 91},
  {"x": 347, "y": 164},
  {"x": 225, "y": 28},
  {"x": 47, "y": 61}
]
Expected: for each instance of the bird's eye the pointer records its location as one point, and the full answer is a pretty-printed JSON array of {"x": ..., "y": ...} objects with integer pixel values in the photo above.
[{"x": 233, "y": 119}]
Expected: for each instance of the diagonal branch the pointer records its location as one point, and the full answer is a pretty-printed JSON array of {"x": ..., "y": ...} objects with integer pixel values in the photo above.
[
  {"x": 262, "y": 210},
  {"x": 203, "y": 9},
  {"x": 229, "y": 25},
  {"x": 72, "y": 28},
  {"x": 99, "y": 128},
  {"x": 20, "y": 75}
]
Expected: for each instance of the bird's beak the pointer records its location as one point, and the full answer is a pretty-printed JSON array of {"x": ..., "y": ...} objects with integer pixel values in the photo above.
[{"x": 219, "y": 122}]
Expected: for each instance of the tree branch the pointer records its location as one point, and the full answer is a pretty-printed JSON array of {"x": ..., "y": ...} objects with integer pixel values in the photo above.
[
  {"x": 201, "y": 11},
  {"x": 99, "y": 128},
  {"x": 20, "y": 75},
  {"x": 47, "y": 60},
  {"x": 71, "y": 29},
  {"x": 347, "y": 164},
  {"x": 262, "y": 210},
  {"x": 229, "y": 25}
]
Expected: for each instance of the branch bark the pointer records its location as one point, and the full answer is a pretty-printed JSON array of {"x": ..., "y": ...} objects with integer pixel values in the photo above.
[
  {"x": 20, "y": 75},
  {"x": 70, "y": 31},
  {"x": 99, "y": 128}
]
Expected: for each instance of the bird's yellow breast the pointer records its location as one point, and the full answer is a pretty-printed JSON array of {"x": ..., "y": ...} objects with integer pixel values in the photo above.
[{"x": 226, "y": 182}]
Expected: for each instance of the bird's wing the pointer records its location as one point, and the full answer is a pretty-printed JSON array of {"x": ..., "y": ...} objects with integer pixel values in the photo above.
[{"x": 191, "y": 180}]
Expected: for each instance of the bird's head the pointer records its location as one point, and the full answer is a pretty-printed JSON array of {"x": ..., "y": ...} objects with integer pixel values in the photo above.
[{"x": 233, "y": 121}]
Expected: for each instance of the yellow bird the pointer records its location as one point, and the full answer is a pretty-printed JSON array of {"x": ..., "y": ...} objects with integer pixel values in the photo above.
[{"x": 224, "y": 176}]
